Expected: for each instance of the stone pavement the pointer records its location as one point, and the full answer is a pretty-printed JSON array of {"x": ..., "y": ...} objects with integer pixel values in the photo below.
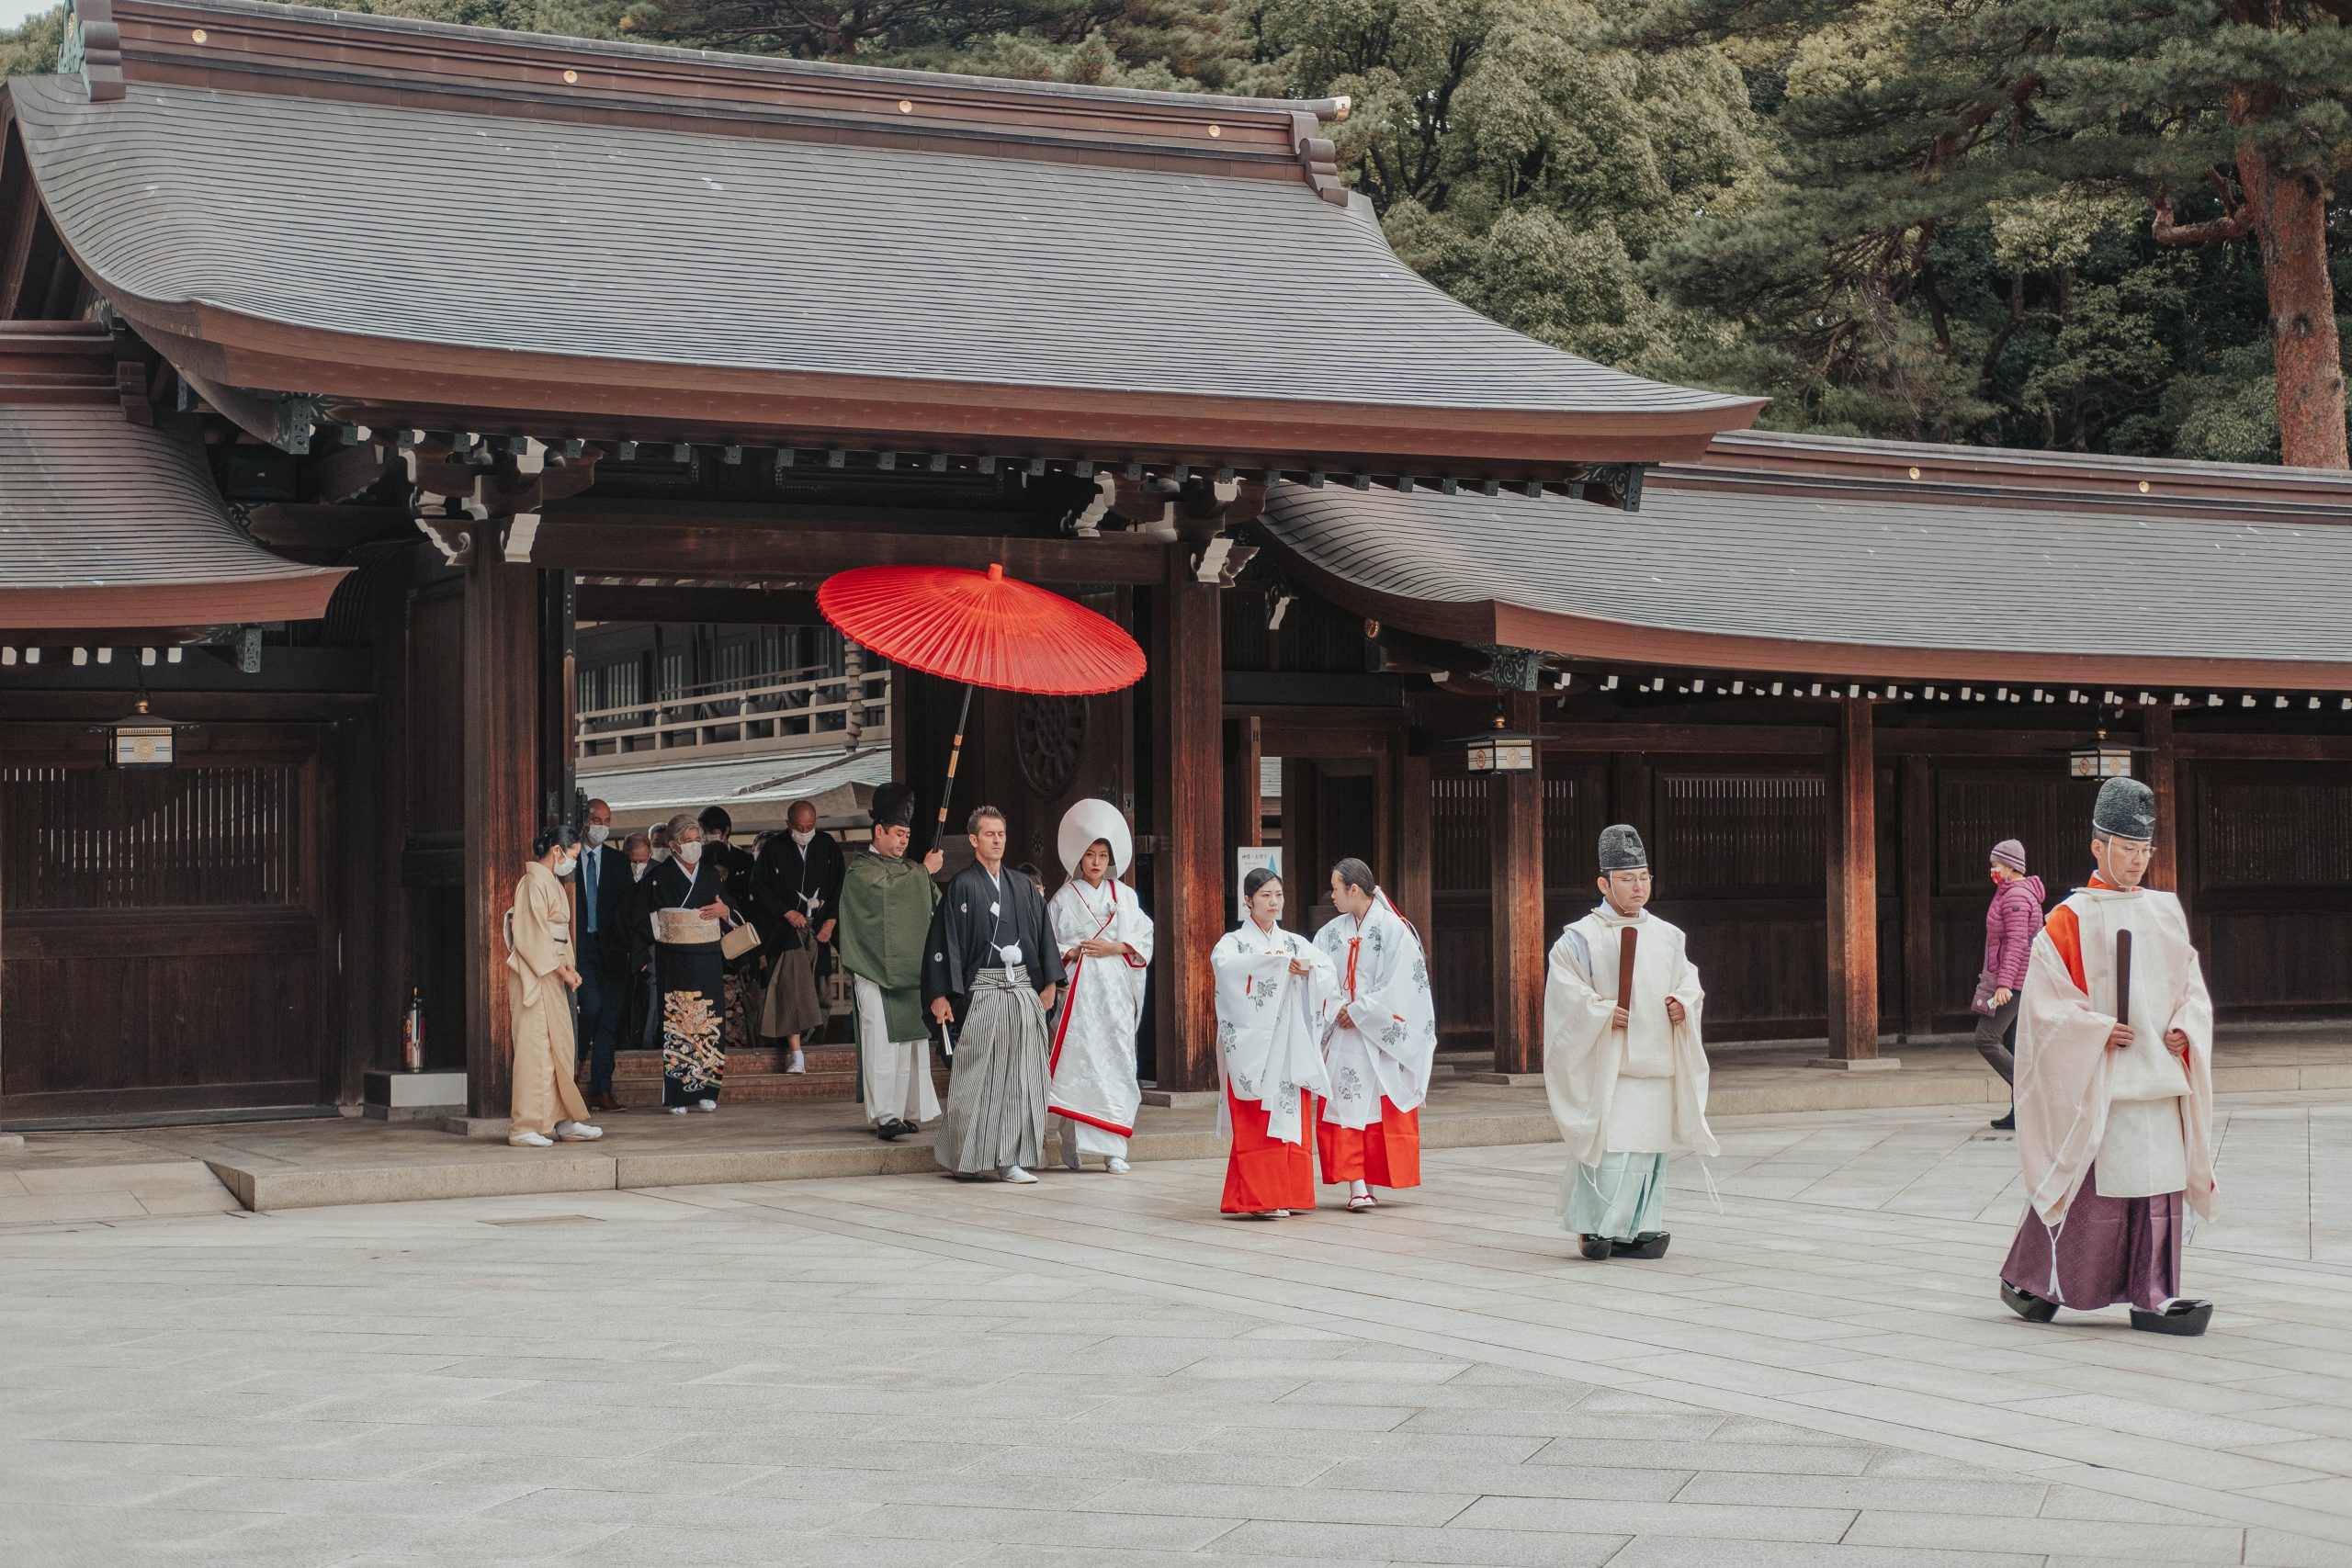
[
  {"x": 333, "y": 1160},
  {"x": 1100, "y": 1372}
]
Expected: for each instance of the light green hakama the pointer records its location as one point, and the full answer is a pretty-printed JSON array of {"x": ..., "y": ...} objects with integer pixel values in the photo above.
[{"x": 1621, "y": 1198}]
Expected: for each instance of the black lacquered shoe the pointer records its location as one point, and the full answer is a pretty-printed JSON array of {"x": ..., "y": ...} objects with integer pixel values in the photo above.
[
  {"x": 2028, "y": 1305},
  {"x": 1596, "y": 1248},
  {"x": 889, "y": 1132},
  {"x": 1648, "y": 1244},
  {"x": 2182, "y": 1317}
]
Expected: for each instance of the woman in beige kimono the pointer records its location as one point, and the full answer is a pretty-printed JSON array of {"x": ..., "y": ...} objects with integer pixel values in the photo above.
[{"x": 545, "y": 1104}]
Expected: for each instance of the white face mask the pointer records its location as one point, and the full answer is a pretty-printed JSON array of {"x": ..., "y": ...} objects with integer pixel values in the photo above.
[
  {"x": 803, "y": 840},
  {"x": 598, "y": 832},
  {"x": 637, "y": 868},
  {"x": 661, "y": 855},
  {"x": 563, "y": 867},
  {"x": 689, "y": 853}
]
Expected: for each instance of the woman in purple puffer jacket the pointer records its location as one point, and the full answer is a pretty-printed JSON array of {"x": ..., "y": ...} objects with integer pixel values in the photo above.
[{"x": 2009, "y": 928}]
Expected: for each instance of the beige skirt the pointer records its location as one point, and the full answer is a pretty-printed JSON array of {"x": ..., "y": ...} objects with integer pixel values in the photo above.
[{"x": 792, "y": 1007}]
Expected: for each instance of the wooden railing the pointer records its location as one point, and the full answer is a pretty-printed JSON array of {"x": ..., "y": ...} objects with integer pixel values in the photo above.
[{"x": 786, "y": 711}]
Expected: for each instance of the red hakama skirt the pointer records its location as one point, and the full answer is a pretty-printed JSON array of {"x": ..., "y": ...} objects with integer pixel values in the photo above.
[
  {"x": 1387, "y": 1155},
  {"x": 1262, "y": 1173}
]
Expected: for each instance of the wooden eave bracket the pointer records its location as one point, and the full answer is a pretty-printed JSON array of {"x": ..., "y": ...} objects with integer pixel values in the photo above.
[
  {"x": 93, "y": 48},
  {"x": 1319, "y": 155}
]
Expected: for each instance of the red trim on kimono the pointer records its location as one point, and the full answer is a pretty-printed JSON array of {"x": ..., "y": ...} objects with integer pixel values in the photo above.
[{"x": 1090, "y": 1121}]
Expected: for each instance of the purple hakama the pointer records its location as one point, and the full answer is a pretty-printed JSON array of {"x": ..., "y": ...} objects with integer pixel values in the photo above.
[{"x": 2107, "y": 1251}]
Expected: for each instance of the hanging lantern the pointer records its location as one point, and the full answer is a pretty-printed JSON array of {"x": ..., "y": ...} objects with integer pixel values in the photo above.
[
  {"x": 140, "y": 739},
  {"x": 1502, "y": 750},
  {"x": 2102, "y": 758}
]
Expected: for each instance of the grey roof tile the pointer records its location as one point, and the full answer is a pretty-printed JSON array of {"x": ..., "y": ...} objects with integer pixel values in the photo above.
[{"x": 661, "y": 245}]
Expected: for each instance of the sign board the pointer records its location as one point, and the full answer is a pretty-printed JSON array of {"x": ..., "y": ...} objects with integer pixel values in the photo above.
[{"x": 1247, "y": 859}]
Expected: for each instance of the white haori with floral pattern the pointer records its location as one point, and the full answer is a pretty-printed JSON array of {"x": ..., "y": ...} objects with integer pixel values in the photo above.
[
  {"x": 1391, "y": 1043},
  {"x": 1269, "y": 1023}
]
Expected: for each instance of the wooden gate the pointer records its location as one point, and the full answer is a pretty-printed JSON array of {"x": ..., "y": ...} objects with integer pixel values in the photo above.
[{"x": 162, "y": 947}]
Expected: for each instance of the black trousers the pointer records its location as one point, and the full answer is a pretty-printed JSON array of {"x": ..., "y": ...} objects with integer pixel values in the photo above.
[{"x": 604, "y": 999}]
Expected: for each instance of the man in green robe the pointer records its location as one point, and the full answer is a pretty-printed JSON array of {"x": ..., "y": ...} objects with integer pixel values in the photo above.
[{"x": 887, "y": 900}]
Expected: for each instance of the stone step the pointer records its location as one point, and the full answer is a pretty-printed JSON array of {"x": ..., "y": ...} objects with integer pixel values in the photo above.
[
  {"x": 820, "y": 1059},
  {"x": 759, "y": 1089}
]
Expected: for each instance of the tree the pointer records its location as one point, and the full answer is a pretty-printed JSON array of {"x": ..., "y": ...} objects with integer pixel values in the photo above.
[
  {"x": 31, "y": 48},
  {"x": 1915, "y": 129}
]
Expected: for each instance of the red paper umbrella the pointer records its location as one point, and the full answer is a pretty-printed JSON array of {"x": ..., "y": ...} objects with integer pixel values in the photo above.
[{"x": 982, "y": 629}]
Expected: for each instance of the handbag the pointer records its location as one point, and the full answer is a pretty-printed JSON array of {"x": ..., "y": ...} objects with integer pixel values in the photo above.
[
  {"x": 1982, "y": 1004},
  {"x": 741, "y": 939}
]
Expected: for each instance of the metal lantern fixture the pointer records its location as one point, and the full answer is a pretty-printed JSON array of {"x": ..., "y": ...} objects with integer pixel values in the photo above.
[
  {"x": 1502, "y": 750},
  {"x": 2102, "y": 758},
  {"x": 140, "y": 739}
]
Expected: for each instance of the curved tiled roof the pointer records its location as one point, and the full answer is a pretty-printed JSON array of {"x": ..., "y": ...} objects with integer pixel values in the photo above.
[
  {"x": 1849, "y": 578},
  {"x": 622, "y": 241}
]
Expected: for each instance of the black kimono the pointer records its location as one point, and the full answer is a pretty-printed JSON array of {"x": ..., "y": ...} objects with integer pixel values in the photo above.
[
  {"x": 689, "y": 983},
  {"x": 991, "y": 953}
]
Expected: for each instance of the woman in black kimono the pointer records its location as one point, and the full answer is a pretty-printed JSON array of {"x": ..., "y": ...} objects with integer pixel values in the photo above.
[{"x": 689, "y": 972}]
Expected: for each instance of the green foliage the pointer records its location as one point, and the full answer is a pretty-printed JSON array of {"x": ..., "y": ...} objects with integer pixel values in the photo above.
[{"x": 30, "y": 48}]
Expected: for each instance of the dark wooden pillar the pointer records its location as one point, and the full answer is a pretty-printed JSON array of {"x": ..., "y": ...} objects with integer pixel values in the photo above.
[
  {"x": 2163, "y": 777},
  {"x": 1515, "y": 893},
  {"x": 1415, "y": 884},
  {"x": 1188, "y": 700},
  {"x": 1853, "y": 888},
  {"x": 502, "y": 788},
  {"x": 1243, "y": 750},
  {"x": 1919, "y": 786}
]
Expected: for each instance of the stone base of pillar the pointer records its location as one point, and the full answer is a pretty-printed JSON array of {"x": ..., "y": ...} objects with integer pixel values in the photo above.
[
  {"x": 1866, "y": 1064},
  {"x": 1182, "y": 1098}
]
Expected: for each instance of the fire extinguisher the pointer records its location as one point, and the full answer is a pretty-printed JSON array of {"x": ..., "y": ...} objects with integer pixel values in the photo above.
[{"x": 413, "y": 1033}]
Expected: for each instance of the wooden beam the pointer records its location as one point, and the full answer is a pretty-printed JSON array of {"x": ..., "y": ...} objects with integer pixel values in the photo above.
[
  {"x": 2208, "y": 747},
  {"x": 1919, "y": 824},
  {"x": 1515, "y": 806},
  {"x": 1724, "y": 739},
  {"x": 501, "y": 712},
  {"x": 722, "y": 607},
  {"x": 1853, "y": 886},
  {"x": 2163, "y": 775},
  {"x": 650, "y": 550},
  {"x": 1189, "y": 875}
]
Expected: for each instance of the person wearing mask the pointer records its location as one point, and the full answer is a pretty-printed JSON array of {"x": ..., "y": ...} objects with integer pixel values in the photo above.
[
  {"x": 992, "y": 970},
  {"x": 799, "y": 878},
  {"x": 545, "y": 1105},
  {"x": 607, "y": 898},
  {"x": 658, "y": 838},
  {"x": 734, "y": 868},
  {"x": 687, "y": 909},
  {"x": 2011, "y": 922},
  {"x": 639, "y": 1027}
]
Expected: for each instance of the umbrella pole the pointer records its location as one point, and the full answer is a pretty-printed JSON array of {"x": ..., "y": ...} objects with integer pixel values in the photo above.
[{"x": 954, "y": 755}]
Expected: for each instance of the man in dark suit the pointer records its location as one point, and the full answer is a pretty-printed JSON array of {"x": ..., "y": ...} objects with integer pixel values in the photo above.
[
  {"x": 607, "y": 895},
  {"x": 799, "y": 879}
]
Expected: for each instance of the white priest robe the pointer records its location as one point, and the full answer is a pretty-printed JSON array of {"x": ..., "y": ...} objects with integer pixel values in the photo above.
[
  {"x": 2142, "y": 1116},
  {"x": 1382, "y": 981},
  {"x": 1640, "y": 1090},
  {"x": 1093, "y": 1093}
]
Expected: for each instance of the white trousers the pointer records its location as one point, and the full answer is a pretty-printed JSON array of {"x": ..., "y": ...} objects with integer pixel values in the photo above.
[{"x": 895, "y": 1072}]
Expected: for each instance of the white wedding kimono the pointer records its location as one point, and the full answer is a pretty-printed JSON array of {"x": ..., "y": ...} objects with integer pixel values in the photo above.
[
  {"x": 1269, "y": 1025},
  {"x": 1092, "y": 1058},
  {"x": 1384, "y": 982},
  {"x": 1625, "y": 1098}
]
